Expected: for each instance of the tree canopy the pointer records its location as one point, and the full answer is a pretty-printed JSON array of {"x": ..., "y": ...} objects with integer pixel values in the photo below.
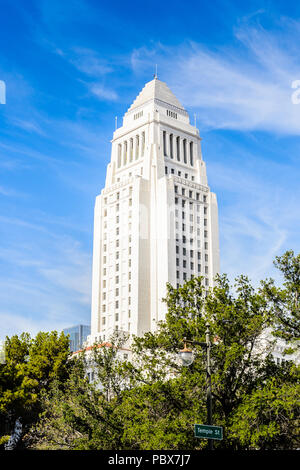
[{"x": 151, "y": 401}]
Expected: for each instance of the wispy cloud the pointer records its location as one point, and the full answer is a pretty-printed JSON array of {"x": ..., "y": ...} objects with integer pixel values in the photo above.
[
  {"x": 11, "y": 192},
  {"x": 246, "y": 87},
  {"x": 258, "y": 219},
  {"x": 89, "y": 62},
  {"x": 47, "y": 273},
  {"x": 102, "y": 93}
]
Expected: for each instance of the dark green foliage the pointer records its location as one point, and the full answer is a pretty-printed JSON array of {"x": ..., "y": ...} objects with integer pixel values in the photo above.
[
  {"x": 29, "y": 368},
  {"x": 151, "y": 401},
  {"x": 286, "y": 301}
]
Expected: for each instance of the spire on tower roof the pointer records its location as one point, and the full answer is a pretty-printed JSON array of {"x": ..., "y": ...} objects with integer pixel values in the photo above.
[{"x": 156, "y": 89}]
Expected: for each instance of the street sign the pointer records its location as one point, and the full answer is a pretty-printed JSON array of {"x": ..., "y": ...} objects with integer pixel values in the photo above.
[{"x": 209, "y": 432}]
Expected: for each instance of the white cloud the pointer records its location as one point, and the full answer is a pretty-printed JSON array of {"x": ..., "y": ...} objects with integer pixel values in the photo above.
[
  {"x": 89, "y": 62},
  {"x": 47, "y": 279},
  {"x": 258, "y": 213},
  {"x": 102, "y": 92},
  {"x": 248, "y": 87}
]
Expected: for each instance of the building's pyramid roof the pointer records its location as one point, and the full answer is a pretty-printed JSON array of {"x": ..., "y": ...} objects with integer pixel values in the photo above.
[{"x": 156, "y": 89}]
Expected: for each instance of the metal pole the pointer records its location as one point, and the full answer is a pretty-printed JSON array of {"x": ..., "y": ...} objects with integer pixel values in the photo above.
[{"x": 208, "y": 385}]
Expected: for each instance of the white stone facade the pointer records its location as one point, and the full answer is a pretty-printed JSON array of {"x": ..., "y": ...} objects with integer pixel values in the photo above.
[{"x": 156, "y": 220}]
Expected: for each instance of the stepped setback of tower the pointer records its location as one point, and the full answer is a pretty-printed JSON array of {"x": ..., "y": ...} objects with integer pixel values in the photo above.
[{"x": 156, "y": 220}]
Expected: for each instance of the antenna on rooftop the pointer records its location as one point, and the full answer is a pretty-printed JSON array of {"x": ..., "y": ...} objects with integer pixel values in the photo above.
[
  {"x": 116, "y": 122},
  {"x": 155, "y": 75},
  {"x": 195, "y": 119}
]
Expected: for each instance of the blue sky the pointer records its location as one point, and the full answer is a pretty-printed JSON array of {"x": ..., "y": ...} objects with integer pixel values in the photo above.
[{"x": 70, "y": 67}]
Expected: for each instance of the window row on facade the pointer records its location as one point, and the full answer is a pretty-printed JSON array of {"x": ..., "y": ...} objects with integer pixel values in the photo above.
[
  {"x": 178, "y": 148},
  {"x": 131, "y": 150},
  {"x": 179, "y": 173},
  {"x": 190, "y": 193}
]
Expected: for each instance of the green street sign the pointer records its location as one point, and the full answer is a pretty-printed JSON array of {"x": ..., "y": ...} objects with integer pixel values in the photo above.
[{"x": 209, "y": 432}]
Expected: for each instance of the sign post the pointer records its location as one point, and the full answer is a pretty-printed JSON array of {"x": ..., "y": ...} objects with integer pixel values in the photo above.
[{"x": 205, "y": 431}]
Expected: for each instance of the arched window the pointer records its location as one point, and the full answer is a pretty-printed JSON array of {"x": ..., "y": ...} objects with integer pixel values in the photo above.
[
  {"x": 178, "y": 148},
  {"x": 131, "y": 150},
  {"x": 171, "y": 145},
  {"x": 165, "y": 143},
  {"x": 137, "y": 147},
  {"x": 192, "y": 153},
  {"x": 119, "y": 155},
  {"x": 125, "y": 152},
  {"x": 143, "y": 143},
  {"x": 184, "y": 151}
]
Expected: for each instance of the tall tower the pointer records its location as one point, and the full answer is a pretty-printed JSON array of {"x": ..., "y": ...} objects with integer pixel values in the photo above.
[{"x": 156, "y": 220}]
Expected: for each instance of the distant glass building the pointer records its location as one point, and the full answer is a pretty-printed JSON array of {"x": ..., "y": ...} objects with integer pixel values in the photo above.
[{"x": 78, "y": 335}]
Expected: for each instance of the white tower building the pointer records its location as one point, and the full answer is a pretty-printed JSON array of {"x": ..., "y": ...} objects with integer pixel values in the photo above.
[{"x": 156, "y": 220}]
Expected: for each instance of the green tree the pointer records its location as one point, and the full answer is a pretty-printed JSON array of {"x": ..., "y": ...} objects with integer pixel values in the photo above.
[
  {"x": 30, "y": 366},
  {"x": 82, "y": 415},
  {"x": 269, "y": 418},
  {"x": 285, "y": 301},
  {"x": 152, "y": 402}
]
